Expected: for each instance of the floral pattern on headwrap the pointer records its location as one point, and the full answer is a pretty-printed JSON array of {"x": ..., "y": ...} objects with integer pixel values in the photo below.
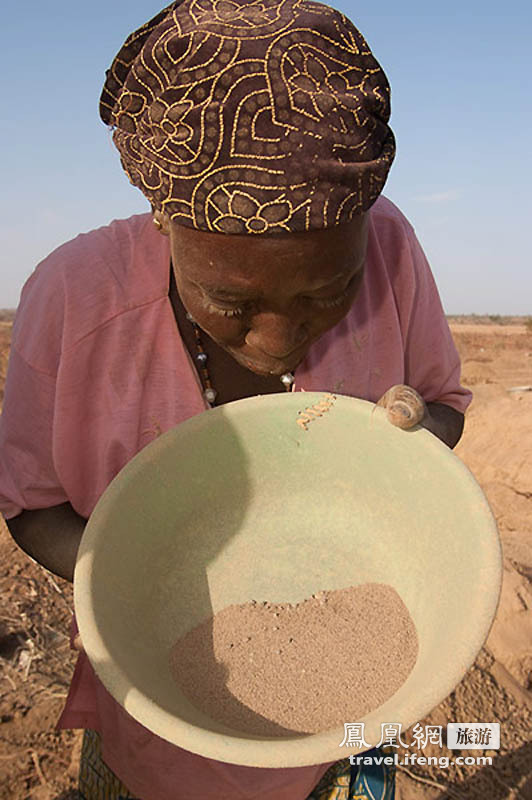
[
  {"x": 251, "y": 117},
  {"x": 251, "y": 14},
  {"x": 240, "y": 212}
]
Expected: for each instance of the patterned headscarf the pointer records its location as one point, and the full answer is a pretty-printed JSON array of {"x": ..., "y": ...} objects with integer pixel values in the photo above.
[{"x": 251, "y": 116}]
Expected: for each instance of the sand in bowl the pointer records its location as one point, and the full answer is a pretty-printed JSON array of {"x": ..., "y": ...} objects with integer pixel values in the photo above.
[{"x": 272, "y": 669}]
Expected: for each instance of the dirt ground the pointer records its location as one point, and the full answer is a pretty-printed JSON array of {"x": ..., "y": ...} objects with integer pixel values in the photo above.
[{"x": 36, "y": 664}]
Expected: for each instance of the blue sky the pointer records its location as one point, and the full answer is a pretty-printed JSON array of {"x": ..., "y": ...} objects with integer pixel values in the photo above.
[{"x": 461, "y": 113}]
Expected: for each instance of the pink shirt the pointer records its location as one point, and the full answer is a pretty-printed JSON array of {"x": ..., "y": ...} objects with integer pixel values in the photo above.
[{"x": 98, "y": 369}]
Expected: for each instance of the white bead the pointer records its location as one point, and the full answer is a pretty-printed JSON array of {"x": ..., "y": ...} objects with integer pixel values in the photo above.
[
  {"x": 209, "y": 395},
  {"x": 287, "y": 379}
]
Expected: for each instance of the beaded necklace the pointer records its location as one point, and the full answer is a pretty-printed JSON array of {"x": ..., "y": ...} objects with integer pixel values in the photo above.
[{"x": 209, "y": 392}]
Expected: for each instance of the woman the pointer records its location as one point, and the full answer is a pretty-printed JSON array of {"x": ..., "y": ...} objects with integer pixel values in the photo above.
[{"x": 258, "y": 132}]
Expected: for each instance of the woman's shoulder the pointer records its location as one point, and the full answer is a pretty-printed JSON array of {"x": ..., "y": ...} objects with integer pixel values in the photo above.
[
  {"x": 110, "y": 249},
  {"x": 386, "y": 216},
  {"x": 91, "y": 279},
  {"x": 393, "y": 241}
]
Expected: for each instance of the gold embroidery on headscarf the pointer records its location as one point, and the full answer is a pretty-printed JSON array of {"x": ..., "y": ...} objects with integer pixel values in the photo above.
[{"x": 251, "y": 117}]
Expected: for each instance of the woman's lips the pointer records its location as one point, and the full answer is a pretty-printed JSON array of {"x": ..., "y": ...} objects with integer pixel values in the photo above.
[
  {"x": 261, "y": 364},
  {"x": 270, "y": 368}
]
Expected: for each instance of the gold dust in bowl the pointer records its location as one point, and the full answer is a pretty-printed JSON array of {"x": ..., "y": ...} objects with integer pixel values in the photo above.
[{"x": 275, "y": 498}]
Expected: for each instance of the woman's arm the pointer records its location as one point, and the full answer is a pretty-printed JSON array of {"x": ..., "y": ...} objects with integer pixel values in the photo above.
[
  {"x": 51, "y": 536},
  {"x": 444, "y": 422}
]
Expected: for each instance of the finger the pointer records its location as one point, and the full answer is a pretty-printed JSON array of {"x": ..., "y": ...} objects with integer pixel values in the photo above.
[
  {"x": 76, "y": 644},
  {"x": 404, "y": 406}
]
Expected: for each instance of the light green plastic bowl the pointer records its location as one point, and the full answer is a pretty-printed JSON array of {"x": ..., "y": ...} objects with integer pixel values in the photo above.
[{"x": 250, "y": 502}]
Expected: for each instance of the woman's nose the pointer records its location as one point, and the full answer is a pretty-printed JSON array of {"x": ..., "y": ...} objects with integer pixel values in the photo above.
[{"x": 276, "y": 335}]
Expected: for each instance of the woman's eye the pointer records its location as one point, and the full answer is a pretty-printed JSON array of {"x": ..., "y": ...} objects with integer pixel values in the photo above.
[
  {"x": 330, "y": 302},
  {"x": 224, "y": 311}
]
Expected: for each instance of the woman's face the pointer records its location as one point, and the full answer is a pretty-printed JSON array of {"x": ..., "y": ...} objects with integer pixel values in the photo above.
[{"x": 266, "y": 299}]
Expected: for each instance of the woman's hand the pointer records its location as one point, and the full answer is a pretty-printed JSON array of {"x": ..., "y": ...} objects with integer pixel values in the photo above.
[
  {"x": 77, "y": 645},
  {"x": 51, "y": 536},
  {"x": 406, "y": 408}
]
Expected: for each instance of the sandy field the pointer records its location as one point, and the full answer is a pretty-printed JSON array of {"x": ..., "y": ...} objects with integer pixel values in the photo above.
[{"x": 36, "y": 664}]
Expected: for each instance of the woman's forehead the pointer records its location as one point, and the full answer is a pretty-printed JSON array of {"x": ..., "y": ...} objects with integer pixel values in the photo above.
[{"x": 239, "y": 264}]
